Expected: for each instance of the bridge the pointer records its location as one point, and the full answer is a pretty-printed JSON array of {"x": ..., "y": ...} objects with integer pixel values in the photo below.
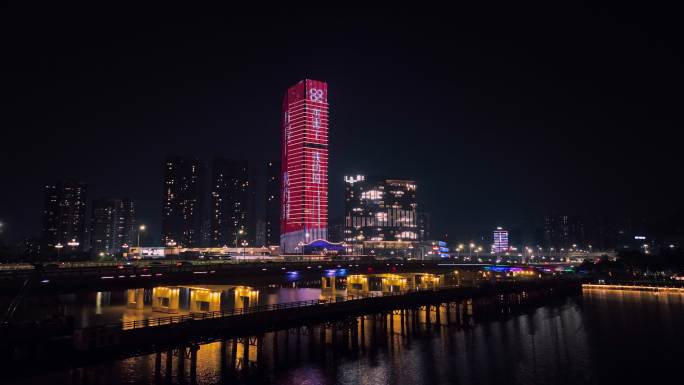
[
  {"x": 95, "y": 275},
  {"x": 27, "y": 347}
]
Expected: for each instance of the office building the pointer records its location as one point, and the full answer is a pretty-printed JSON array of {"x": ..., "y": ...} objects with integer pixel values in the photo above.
[
  {"x": 304, "y": 165},
  {"x": 500, "y": 244},
  {"x": 378, "y": 209}
]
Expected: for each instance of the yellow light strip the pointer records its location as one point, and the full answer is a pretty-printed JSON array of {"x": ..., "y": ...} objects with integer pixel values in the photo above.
[{"x": 637, "y": 288}]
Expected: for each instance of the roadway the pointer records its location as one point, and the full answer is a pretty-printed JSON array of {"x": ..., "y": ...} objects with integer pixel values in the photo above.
[{"x": 149, "y": 273}]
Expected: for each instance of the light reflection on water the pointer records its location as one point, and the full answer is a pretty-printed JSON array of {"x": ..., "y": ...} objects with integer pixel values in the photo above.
[{"x": 598, "y": 338}]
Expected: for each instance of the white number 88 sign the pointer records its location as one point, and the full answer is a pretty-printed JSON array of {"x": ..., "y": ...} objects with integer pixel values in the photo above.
[{"x": 316, "y": 95}]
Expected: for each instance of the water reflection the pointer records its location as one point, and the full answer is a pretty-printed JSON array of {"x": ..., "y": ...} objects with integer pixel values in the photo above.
[
  {"x": 602, "y": 337},
  {"x": 413, "y": 345}
]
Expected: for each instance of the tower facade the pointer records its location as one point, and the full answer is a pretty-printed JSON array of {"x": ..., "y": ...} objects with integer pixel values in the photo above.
[{"x": 304, "y": 166}]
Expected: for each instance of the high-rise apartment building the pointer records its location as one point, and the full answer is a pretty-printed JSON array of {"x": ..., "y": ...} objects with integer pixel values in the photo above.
[
  {"x": 181, "y": 211},
  {"x": 232, "y": 204},
  {"x": 304, "y": 167},
  {"x": 272, "y": 202},
  {"x": 64, "y": 216},
  {"x": 563, "y": 231},
  {"x": 112, "y": 227}
]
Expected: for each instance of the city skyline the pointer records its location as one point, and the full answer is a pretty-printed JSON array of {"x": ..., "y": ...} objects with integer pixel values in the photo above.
[
  {"x": 477, "y": 193},
  {"x": 549, "y": 126}
]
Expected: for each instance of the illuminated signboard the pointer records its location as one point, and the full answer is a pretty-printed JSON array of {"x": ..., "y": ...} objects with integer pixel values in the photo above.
[
  {"x": 304, "y": 205},
  {"x": 152, "y": 252}
]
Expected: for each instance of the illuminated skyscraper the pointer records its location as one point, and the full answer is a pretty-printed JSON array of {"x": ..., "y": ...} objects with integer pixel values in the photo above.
[
  {"x": 304, "y": 209},
  {"x": 378, "y": 209},
  {"x": 500, "y": 240}
]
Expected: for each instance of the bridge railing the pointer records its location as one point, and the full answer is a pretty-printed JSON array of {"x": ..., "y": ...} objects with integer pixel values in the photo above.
[
  {"x": 215, "y": 314},
  {"x": 143, "y": 323}
]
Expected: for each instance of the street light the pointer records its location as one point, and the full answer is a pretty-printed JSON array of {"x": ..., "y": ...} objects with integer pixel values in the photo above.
[
  {"x": 300, "y": 248},
  {"x": 140, "y": 229},
  {"x": 243, "y": 244},
  {"x": 59, "y": 248},
  {"x": 239, "y": 232}
]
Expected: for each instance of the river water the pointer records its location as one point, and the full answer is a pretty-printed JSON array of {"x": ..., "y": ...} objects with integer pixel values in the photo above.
[{"x": 598, "y": 337}]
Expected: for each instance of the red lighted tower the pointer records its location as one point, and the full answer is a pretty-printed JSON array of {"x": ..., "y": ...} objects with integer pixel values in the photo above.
[{"x": 304, "y": 165}]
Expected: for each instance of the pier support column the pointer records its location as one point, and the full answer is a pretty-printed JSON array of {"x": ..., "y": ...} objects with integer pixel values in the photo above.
[
  {"x": 355, "y": 335},
  {"x": 233, "y": 354},
  {"x": 224, "y": 359},
  {"x": 401, "y": 316},
  {"x": 428, "y": 315},
  {"x": 333, "y": 337},
  {"x": 157, "y": 366},
  {"x": 135, "y": 298},
  {"x": 345, "y": 335},
  {"x": 458, "y": 313},
  {"x": 193, "y": 363},
  {"x": 245, "y": 354},
  {"x": 275, "y": 349},
  {"x": 169, "y": 365},
  {"x": 322, "y": 332},
  {"x": 181, "y": 363},
  {"x": 312, "y": 341},
  {"x": 260, "y": 352},
  {"x": 363, "y": 333}
]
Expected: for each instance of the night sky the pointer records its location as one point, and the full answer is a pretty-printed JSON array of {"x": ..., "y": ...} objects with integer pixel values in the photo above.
[{"x": 502, "y": 114}]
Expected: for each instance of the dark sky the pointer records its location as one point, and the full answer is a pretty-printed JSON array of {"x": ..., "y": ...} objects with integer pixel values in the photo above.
[{"x": 502, "y": 113}]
